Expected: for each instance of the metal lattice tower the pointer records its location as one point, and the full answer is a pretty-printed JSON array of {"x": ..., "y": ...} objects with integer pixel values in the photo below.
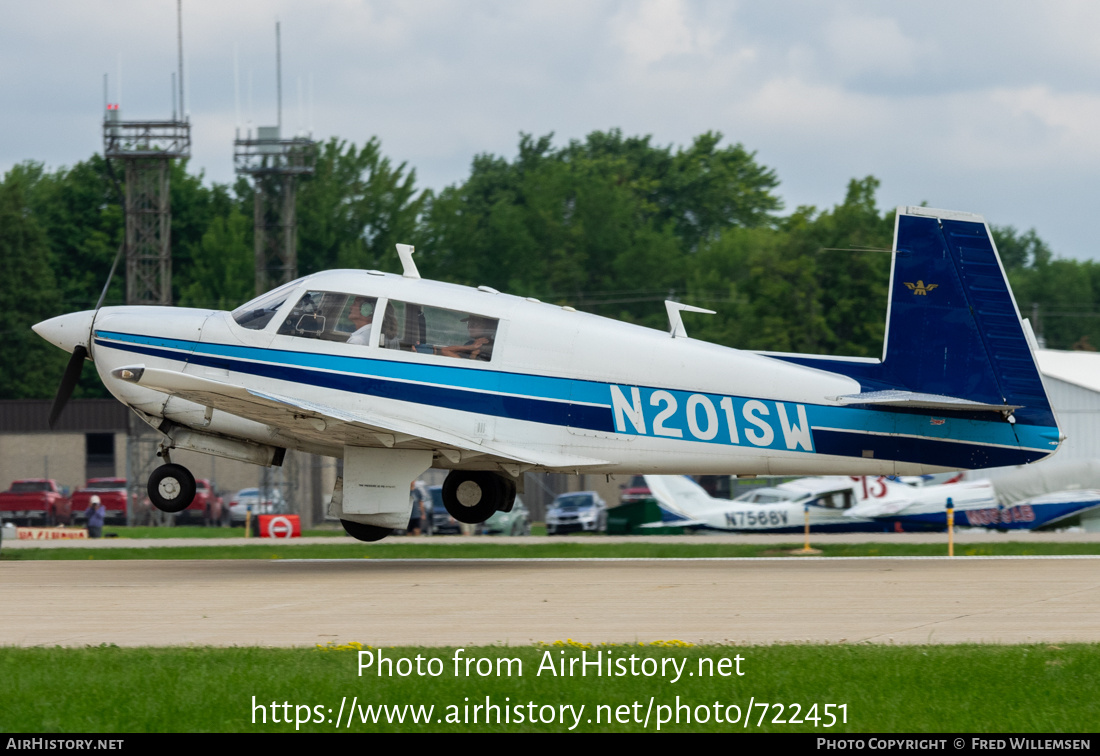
[
  {"x": 274, "y": 165},
  {"x": 146, "y": 149}
]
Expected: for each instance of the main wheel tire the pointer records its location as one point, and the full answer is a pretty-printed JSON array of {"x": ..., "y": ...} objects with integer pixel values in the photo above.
[
  {"x": 509, "y": 499},
  {"x": 471, "y": 496},
  {"x": 171, "y": 488},
  {"x": 363, "y": 532}
]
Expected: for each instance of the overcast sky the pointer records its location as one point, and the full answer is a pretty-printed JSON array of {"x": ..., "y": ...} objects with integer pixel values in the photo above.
[{"x": 988, "y": 107}]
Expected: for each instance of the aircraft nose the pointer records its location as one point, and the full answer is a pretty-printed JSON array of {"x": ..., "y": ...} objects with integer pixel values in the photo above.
[{"x": 67, "y": 331}]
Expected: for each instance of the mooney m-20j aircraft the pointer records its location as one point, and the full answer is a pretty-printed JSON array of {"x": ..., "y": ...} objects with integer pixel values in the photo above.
[{"x": 396, "y": 374}]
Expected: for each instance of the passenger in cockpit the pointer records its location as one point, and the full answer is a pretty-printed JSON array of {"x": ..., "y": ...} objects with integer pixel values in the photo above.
[
  {"x": 480, "y": 346},
  {"x": 389, "y": 339}
]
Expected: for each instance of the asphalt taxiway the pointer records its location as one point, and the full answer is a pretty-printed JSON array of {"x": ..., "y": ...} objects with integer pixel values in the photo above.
[{"x": 466, "y": 602}]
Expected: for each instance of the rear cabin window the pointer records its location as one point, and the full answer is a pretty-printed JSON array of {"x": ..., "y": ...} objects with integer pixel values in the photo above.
[
  {"x": 434, "y": 330},
  {"x": 835, "y": 500},
  {"x": 331, "y": 316}
]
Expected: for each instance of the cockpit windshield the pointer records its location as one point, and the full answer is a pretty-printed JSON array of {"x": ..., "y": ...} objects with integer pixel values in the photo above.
[{"x": 257, "y": 313}]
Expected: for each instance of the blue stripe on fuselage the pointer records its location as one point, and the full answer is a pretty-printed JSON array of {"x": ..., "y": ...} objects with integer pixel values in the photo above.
[
  {"x": 842, "y": 431},
  {"x": 483, "y": 402}
]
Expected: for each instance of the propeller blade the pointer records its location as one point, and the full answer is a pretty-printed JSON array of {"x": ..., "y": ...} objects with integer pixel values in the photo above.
[{"x": 68, "y": 382}]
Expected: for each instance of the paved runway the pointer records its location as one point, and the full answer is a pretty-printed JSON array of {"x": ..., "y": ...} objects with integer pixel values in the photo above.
[
  {"x": 962, "y": 536},
  {"x": 378, "y": 602}
]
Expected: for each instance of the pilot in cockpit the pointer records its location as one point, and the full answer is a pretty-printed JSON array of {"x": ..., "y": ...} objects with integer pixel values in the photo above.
[{"x": 361, "y": 322}]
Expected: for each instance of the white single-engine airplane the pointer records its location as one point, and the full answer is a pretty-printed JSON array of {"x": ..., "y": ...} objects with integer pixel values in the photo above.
[
  {"x": 831, "y": 504},
  {"x": 396, "y": 374}
]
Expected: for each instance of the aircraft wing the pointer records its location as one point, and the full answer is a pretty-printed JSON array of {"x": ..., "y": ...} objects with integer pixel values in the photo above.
[
  {"x": 977, "y": 494},
  {"x": 285, "y": 411},
  {"x": 1057, "y": 506},
  {"x": 872, "y": 508}
]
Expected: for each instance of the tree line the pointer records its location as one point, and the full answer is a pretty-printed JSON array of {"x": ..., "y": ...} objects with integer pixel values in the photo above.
[{"x": 610, "y": 224}]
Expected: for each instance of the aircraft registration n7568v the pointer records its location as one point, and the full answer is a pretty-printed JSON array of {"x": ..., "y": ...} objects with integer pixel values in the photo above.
[{"x": 395, "y": 374}]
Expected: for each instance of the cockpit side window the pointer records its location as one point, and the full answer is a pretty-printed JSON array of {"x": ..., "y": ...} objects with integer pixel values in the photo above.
[
  {"x": 434, "y": 330},
  {"x": 836, "y": 500},
  {"x": 331, "y": 316}
]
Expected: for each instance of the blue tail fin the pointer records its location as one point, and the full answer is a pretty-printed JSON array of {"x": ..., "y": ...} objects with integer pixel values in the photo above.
[{"x": 954, "y": 336}]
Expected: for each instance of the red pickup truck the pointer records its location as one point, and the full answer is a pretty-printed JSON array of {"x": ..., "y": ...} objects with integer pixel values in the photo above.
[
  {"x": 36, "y": 501},
  {"x": 206, "y": 507},
  {"x": 111, "y": 493}
]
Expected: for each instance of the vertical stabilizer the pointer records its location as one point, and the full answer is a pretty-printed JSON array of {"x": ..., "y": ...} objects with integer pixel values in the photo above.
[{"x": 953, "y": 330}]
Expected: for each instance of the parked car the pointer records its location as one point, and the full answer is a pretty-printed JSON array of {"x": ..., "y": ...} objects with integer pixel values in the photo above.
[
  {"x": 250, "y": 497},
  {"x": 207, "y": 506},
  {"x": 36, "y": 501},
  {"x": 636, "y": 490},
  {"x": 517, "y": 522},
  {"x": 112, "y": 494},
  {"x": 442, "y": 522},
  {"x": 584, "y": 511}
]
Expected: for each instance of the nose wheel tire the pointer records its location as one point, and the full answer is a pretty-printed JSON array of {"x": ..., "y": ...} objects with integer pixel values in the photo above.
[{"x": 171, "y": 488}]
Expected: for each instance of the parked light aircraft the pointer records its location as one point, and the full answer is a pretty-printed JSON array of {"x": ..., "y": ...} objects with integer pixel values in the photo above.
[
  {"x": 395, "y": 374},
  {"x": 838, "y": 504},
  {"x": 923, "y": 513},
  {"x": 832, "y": 504},
  {"x": 1028, "y": 497}
]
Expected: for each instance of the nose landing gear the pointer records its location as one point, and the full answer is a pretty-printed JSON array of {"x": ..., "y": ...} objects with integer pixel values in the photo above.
[{"x": 171, "y": 488}]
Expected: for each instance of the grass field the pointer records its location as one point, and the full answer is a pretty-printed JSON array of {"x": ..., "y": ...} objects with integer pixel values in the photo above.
[
  {"x": 493, "y": 549},
  {"x": 1036, "y": 688}
]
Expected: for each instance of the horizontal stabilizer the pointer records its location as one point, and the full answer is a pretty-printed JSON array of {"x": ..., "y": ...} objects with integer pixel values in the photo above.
[
  {"x": 679, "y": 495},
  {"x": 898, "y": 398}
]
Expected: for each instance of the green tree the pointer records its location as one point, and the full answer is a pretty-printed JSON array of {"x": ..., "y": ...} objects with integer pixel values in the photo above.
[
  {"x": 607, "y": 224},
  {"x": 815, "y": 283},
  {"x": 1018, "y": 250},
  {"x": 29, "y": 366},
  {"x": 222, "y": 273},
  {"x": 78, "y": 209},
  {"x": 355, "y": 208}
]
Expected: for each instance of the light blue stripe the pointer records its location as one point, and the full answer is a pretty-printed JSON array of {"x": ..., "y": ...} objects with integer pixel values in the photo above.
[{"x": 590, "y": 392}]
